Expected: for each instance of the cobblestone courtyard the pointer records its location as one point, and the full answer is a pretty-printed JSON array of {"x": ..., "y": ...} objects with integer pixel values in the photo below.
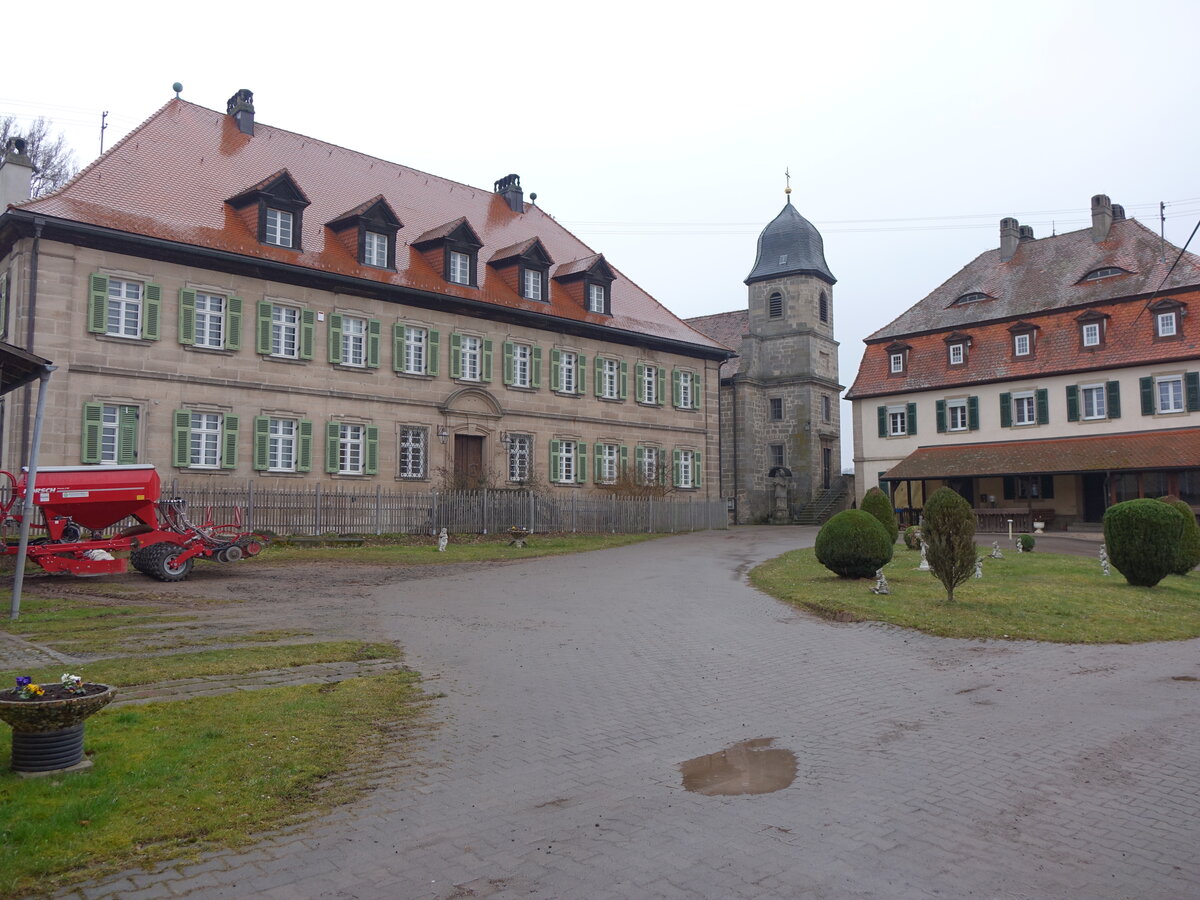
[{"x": 575, "y": 686}]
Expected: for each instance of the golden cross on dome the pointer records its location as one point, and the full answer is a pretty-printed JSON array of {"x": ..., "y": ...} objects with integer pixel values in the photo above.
[{"x": 788, "y": 175}]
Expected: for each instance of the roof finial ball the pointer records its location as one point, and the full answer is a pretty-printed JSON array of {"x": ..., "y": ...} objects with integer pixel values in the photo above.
[
  {"x": 788, "y": 190},
  {"x": 177, "y": 88}
]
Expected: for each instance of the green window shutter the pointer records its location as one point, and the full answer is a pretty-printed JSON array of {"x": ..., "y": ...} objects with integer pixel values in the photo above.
[
  {"x": 662, "y": 380},
  {"x": 432, "y": 345},
  {"x": 639, "y": 379},
  {"x": 1192, "y": 382},
  {"x": 1042, "y": 401},
  {"x": 151, "y": 312},
  {"x": 676, "y": 388},
  {"x": 308, "y": 327},
  {"x": 598, "y": 376},
  {"x": 1047, "y": 487},
  {"x": 696, "y": 477},
  {"x": 675, "y": 468},
  {"x": 397, "y": 347},
  {"x": 127, "y": 434},
  {"x": 1010, "y": 487},
  {"x": 181, "y": 449},
  {"x": 486, "y": 374},
  {"x": 508, "y": 362},
  {"x": 1006, "y": 411},
  {"x": 263, "y": 330},
  {"x": 911, "y": 418},
  {"x": 335, "y": 338},
  {"x": 536, "y": 378},
  {"x": 229, "y": 441},
  {"x": 624, "y": 460},
  {"x": 554, "y": 460},
  {"x": 555, "y": 370},
  {"x": 972, "y": 413},
  {"x": 333, "y": 440},
  {"x": 581, "y": 374},
  {"x": 93, "y": 418},
  {"x": 304, "y": 456},
  {"x": 455, "y": 355},
  {"x": 599, "y": 462},
  {"x": 187, "y": 317},
  {"x": 697, "y": 402},
  {"x": 940, "y": 416},
  {"x": 639, "y": 461},
  {"x": 1072, "y": 403},
  {"x": 233, "y": 323},
  {"x": 374, "y": 331},
  {"x": 371, "y": 463},
  {"x": 581, "y": 462},
  {"x": 881, "y": 414},
  {"x": 262, "y": 427},
  {"x": 1146, "y": 386},
  {"x": 98, "y": 306},
  {"x": 624, "y": 380},
  {"x": 1112, "y": 396}
]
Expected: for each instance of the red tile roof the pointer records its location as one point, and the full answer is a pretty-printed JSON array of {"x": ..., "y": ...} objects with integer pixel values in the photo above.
[
  {"x": 170, "y": 178},
  {"x": 726, "y": 328},
  {"x": 1129, "y": 341},
  {"x": 1169, "y": 449}
]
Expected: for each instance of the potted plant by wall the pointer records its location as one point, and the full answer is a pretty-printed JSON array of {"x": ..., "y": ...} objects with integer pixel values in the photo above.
[{"x": 47, "y": 721}]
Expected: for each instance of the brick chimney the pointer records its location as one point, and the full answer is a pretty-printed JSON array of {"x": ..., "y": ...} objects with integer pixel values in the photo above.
[
  {"x": 16, "y": 173},
  {"x": 1102, "y": 217},
  {"x": 241, "y": 107},
  {"x": 509, "y": 187},
  {"x": 1010, "y": 236}
]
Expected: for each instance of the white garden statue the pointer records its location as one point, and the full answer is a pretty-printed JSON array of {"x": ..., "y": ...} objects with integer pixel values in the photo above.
[{"x": 443, "y": 540}]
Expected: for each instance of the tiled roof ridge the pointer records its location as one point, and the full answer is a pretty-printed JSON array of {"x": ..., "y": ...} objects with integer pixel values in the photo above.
[
  {"x": 1081, "y": 438},
  {"x": 720, "y": 315}
]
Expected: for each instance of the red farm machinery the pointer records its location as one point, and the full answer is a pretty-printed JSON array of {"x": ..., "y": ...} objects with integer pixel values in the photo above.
[{"x": 79, "y": 503}]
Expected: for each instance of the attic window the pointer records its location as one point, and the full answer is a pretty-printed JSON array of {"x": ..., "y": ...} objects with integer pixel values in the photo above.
[
  {"x": 1105, "y": 272},
  {"x": 278, "y": 229},
  {"x": 273, "y": 209},
  {"x": 783, "y": 259},
  {"x": 972, "y": 297}
]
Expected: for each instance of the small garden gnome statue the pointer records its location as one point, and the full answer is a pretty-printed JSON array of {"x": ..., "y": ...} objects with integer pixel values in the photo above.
[
  {"x": 996, "y": 554},
  {"x": 443, "y": 540},
  {"x": 1104, "y": 561},
  {"x": 881, "y": 583},
  {"x": 979, "y": 567},
  {"x": 924, "y": 566}
]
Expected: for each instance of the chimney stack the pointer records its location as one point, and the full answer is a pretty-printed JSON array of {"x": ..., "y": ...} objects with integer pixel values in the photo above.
[
  {"x": 1026, "y": 233},
  {"x": 16, "y": 173},
  {"x": 509, "y": 187},
  {"x": 1118, "y": 212},
  {"x": 1010, "y": 236},
  {"x": 1102, "y": 217},
  {"x": 241, "y": 107}
]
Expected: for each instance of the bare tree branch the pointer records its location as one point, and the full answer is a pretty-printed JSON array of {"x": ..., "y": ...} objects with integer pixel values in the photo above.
[{"x": 53, "y": 159}]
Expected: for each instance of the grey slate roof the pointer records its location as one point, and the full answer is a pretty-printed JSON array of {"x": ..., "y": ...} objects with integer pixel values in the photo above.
[
  {"x": 725, "y": 328},
  {"x": 790, "y": 245},
  {"x": 1044, "y": 275}
]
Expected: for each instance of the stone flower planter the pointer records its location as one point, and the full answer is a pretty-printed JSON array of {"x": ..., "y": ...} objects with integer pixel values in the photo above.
[{"x": 48, "y": 733}]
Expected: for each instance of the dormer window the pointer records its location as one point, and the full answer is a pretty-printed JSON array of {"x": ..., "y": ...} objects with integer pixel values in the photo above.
[
  {"x": 973, "y": 297},
  {"x": 278, "y": 228},
  {"x": 1022, "y": 344},
  {"x": 898, "y": 358},
  {"x": 958, "y": 354},
  {"x": 1092, "y": 329},
  {"x": 1104, "y": 272},
  {"x": 273, "y": 209},
  {"x": 375, "y": 250},
  {"x": 1169, "y": 318},
  {"x": 525, "y": 268},
  {"x": 1166, "y": 324},
  {"x": 454, "y": 250},
  {"x": 531, "y": 284},
  {"x": 1091, "y": 334},
  {"x": 1024, "y": 338},
  {"x": 956, "y": 348},
  {"x": 459, "y": 267},
  {"x": 897, "y": 363},
  {"x": 597, "y": 297},
  {"x": 589, "y": 282},
  {"x": 369, "y": 232}
]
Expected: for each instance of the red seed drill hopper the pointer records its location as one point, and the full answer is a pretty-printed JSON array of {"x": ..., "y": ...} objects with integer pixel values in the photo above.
[{"x": 78, "y": 503}]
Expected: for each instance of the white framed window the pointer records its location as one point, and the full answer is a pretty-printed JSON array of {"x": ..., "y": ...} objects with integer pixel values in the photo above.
[
  {"x": 205, "y": 440},
  {"x": 352, "y": 443},
  {"x": 278, "y": 229},
  {"x": 897, "y": 363},
  {"x": 568, "y": 372},
  {"x": 958, "y": 354},
  {"x": 956, "y": 415},
  {"x": 460, "y": 267},
  {"x": 596, "y": 297},
  {"x": 1169, "y": 389},
  {"x": 124, "y": 308},
  {"x": 567, "y": 462},
  {"x": 109, "y": 435},
  {"x": 610, "y": 379},
  {"x": 1024, "y": 409},
  {"x": 608, "y": 460},
  {"x": 1094, "y": 401},
  {"x": 354, "y": 341},
  {"x": 415, "y": 342},
  {"x": 375, "y": 249},
  {"x": 520, "y": 457},
  {"x": 686, "y": 392},
  {"x": 281, "y": 445},
  {"x": 650, "y": 465},
  {"x": 411, "y": 450},
  {"x": 522, "y": 365},
  {"x": 1022, "y": 344},
  {"x": 471, "y": 353},
  {"x": 897, "y": 417},
  {"x": 648, "y": 389},
  {"x": 1091, "y": 334},
  {"x": 1166, "y": 324},
  {"x": 210, "y": 321},
  {"x": 685, "y": 471},
  {"x": 532, "y": 284},
  {"x": 285, "y": 332}
]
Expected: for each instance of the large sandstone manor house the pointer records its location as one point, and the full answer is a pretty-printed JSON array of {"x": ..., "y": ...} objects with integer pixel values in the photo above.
[{"x": 234, "y": 302}]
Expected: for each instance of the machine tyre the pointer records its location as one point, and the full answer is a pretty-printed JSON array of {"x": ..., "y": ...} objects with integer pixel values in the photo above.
[{"x": 157, "y": 562}]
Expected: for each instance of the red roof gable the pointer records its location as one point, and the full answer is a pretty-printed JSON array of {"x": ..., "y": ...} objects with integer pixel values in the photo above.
[{"x": 170, "y": 178}]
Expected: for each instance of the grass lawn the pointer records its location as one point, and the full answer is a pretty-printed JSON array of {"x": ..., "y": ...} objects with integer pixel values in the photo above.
[{"x": 1028, "y": 596}]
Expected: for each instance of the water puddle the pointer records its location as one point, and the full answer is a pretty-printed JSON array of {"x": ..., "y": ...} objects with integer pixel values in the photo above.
[{"x": 748, "y": 767}]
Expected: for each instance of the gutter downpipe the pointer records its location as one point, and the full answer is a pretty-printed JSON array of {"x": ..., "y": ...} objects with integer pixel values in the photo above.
[
  {"x": 31, "y": 319},
  {"x": 30, "y": 485},
  {"x": 737, "y": 512}
]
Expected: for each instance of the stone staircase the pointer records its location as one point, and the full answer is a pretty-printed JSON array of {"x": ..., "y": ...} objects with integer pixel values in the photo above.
[{"x": 824, "y": 505}]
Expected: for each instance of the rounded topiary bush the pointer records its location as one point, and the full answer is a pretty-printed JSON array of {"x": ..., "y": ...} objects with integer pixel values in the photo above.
[
  {"x": 1026, "y": 541},
  {"x": 912, "y": 537},
  {"x": 1189, "y": 544},
  {"x": 854, "y": 544},
  {"x": 876, "y": 503},
  {"x": 1143, "y": 538}
]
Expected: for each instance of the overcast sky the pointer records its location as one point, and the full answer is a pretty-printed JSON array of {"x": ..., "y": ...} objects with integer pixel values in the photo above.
[{"x": 660, "y": 132}]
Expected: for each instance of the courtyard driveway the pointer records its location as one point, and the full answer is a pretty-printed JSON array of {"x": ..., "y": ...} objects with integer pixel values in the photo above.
[{"x": 575, "y": 687}]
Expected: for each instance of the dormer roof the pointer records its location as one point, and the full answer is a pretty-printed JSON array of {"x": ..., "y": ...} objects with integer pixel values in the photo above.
[{"x": 376, "y": 210}]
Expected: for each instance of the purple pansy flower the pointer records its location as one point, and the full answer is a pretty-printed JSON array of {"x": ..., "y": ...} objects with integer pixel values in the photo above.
[{"x": 23, "y": 680}]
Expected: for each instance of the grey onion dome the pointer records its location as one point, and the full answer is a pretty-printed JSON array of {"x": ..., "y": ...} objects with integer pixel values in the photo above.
[{"x": 790, "y": 245}]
